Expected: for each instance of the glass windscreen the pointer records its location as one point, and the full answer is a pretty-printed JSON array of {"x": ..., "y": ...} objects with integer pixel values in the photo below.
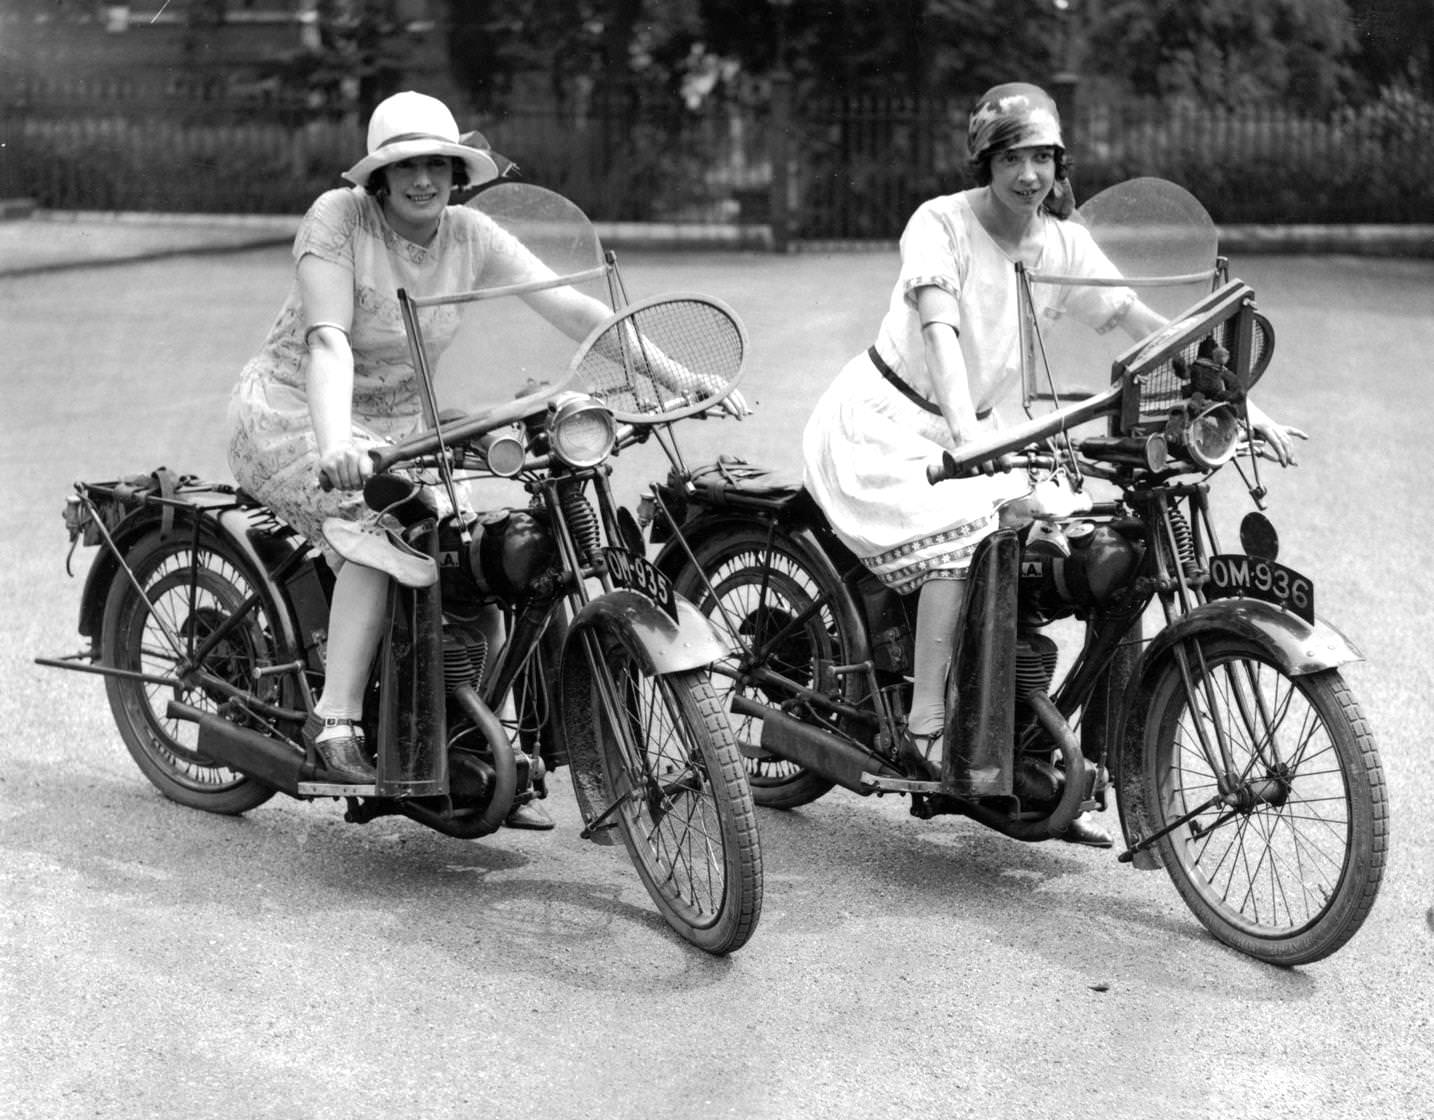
[
  {"x": 1155, "y": 248},
  {"x": 541, "y": 289}
]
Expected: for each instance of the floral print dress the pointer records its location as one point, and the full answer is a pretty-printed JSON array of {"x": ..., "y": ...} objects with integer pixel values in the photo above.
[{"x": 272, "y": 449}]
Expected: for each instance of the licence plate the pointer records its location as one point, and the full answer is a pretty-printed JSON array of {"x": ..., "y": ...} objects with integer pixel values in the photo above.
[
  {"x": 637, "y": 573},
  {"x": 1235, "y": 576}
]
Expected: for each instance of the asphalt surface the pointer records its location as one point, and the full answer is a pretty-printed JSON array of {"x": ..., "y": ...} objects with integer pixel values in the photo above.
[{"x": 157, "y": 962}]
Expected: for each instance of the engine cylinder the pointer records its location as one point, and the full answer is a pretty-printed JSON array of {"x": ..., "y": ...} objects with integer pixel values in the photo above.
[
  {"x": 464, "y": 655},
  {"x": 1036, "y": 656}
]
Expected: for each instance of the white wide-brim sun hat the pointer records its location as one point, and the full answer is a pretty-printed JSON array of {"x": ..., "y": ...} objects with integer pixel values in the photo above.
[{"x": 411, "y": 124}]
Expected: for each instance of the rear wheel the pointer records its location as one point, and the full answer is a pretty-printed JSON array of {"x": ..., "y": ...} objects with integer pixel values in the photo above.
[
  {"x": 1289, "y": 819},
  {"x": 188, "y": 594},
  {"x": 770, "y": 600},
  {"x": 683, "y": 805}
]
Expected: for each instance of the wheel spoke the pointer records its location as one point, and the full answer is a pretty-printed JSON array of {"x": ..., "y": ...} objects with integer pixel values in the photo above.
[
  {"x": 670, "y": 760},
  {"x": 783, "y": 622},
  {"x": 182, "y": 598}
]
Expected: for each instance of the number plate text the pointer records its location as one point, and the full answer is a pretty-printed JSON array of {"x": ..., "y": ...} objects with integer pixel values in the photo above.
[
  {"x": 1232, "y": 576},
  {"x": 629, "y": 570}
]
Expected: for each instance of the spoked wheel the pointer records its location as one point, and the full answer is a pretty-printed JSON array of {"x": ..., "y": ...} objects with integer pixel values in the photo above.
[
  {"x": 683, "y": 805},
  {"x": 188, "y": 596},
  {"x": 1288, "y": 825},
  {"x": 773, "y": 602}
]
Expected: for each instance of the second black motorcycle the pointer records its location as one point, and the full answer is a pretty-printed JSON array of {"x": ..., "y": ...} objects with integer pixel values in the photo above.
[{"x": 1203, "y": 693}]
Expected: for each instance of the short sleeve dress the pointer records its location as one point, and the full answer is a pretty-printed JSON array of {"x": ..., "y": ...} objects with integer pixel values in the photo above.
[
  {"x": 867, "y": 445},
  {"x": 272, "y": 449}
]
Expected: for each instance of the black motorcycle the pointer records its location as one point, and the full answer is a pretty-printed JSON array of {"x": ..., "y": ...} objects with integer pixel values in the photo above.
[
  {"x": 207, "y": 615},
  {"x": 1201, "y": 688}
]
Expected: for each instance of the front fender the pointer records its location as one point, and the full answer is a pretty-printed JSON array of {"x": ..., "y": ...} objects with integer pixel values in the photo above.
[
  {"x": 1295, "y": 645},
  {"x": 662, "y": 644}
]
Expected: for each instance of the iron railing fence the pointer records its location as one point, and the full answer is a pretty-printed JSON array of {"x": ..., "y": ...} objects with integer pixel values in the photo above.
[
  {"x": 855, "y": 167},
  {"x": 864, "y": 164}
]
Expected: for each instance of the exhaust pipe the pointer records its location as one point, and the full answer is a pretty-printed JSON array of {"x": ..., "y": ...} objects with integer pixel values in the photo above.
[
  {"x": 839, "y": 761},
  {"x": 505, "y": 766},
  {"x": 249, "y": 752},
  {"x": 821, "y": 752},
  {"x": 1078, "y": 775}
]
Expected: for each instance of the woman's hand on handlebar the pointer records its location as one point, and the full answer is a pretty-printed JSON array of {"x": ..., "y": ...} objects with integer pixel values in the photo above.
[
  {"x": 346, "y": 466},
  {"x": 734, "y": 404},
  {"x": 1274, "y": 440}
]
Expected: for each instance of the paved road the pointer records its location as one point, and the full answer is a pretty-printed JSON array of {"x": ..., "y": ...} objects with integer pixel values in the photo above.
[{"x": 157, "y": 962}]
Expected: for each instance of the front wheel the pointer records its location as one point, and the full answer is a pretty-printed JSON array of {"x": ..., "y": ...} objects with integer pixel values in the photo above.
[
  {"x": 681, "y": 798},
  {"x": 188, "y": 594},
  {"x": 1288, "y": 827}
]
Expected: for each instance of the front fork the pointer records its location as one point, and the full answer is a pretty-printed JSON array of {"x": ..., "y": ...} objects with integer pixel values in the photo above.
[{"x": 1183, "y": 546}]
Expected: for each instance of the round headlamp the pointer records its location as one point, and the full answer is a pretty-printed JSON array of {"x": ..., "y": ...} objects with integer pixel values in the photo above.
[
  {"x": 1211, "y": 437},
  {"x": 581, "y": 432}
]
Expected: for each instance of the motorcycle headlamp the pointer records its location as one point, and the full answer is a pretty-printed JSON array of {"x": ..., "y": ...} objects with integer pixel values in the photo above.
[
  {"x": 581, "y": 431},
  {"x": 1211, "y": 437},
  {"x": 504, "y": 451}
]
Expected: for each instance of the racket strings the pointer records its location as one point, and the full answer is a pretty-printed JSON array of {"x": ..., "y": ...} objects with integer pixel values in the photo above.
[{"x": 663, "y": 356}]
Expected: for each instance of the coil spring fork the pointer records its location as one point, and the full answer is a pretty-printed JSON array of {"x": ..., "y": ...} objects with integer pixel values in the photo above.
[
  {"x": 582, "y": 521},
  {"x": 1184, "y": 542}
]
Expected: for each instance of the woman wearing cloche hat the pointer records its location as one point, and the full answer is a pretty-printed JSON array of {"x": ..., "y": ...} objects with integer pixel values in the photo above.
[
  {"x": 946, "y": 354},
  {"x": 335, "y": 376}
]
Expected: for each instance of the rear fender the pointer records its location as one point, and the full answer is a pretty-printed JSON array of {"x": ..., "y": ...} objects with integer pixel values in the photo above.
[
  {"x": 800, "y": 520},
  {"x": 1296, "y": 646},
  {"x": 824, "y": 555},
  {"x": 248, "y": 530}
]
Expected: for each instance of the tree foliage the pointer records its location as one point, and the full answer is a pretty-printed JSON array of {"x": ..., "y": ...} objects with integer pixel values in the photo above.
[
  {"x": 568, "y": 50},
  {"x": 1230, "y": 52},
  {"x": 1310, "y": 54}
]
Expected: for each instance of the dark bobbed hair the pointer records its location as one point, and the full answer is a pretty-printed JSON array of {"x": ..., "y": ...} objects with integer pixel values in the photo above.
[
  {"x": 980, "y": 167},
  {"x": 378, "y": 181},
  {"x": 1059, "y": 203}
]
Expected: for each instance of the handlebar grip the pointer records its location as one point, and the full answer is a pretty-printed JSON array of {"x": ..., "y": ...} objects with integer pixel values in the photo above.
[
  {"x": 380, "y": 460},
  {"x": 997, "y": 464},
  {"x": 947, "y": 468}
]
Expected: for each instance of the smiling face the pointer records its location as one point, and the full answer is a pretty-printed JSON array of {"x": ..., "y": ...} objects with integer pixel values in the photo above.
[
  {"x": 1022, "y": 177},
  {"x": 418, "y": 190}
]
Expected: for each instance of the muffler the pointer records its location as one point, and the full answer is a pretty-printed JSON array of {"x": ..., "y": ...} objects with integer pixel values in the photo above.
[
  {"x": 239, "y": 748},
  {"x": 823, "y": 753}
]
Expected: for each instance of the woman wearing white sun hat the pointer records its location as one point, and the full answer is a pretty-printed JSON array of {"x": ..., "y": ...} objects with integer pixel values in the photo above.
[{"x": 335, "y": 375}]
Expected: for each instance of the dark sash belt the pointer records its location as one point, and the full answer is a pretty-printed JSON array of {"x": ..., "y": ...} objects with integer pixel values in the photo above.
[{"x": 906, "y": 390}]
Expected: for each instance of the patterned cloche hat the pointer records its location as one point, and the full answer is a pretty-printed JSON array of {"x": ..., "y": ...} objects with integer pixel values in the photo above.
[{"x": 1013, "y": 115}]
